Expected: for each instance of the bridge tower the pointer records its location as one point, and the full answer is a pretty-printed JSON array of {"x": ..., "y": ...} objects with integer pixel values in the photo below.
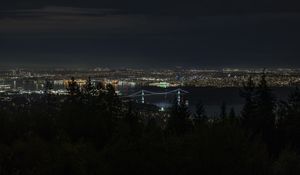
[
  {"x": 143, "y": 97},
  {"x": 178, "y": 97}
]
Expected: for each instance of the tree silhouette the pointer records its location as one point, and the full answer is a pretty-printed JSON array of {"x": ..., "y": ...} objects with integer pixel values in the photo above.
[
  {"x": 179, "y": 122},
  {"x": 88, "y": 87},
  {"x": 289, "y": 122},
  {"x": 100, "y": 87},
  {"x": 265, "y": 108},
  {"x": 200, "y": 115},
  {"x": 248, "y": 112},
  {"x": 223, "y": 113},
  {"x": 73, "y": 87},
  {"x": 105, "y": 135},
  {"x": 258, "y": 114},
  {"x": 47, "y": 86},
  {"x": 110, "y": 90},
  {"x": 288, "y": 163},
  {"x": 232, "y": 115}
]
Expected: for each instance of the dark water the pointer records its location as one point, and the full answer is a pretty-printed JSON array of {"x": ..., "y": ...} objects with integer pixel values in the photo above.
[{"x": 212, "y": 98}]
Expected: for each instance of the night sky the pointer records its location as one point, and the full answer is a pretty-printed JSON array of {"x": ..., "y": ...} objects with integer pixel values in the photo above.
[{"x": 150, "y": 33}]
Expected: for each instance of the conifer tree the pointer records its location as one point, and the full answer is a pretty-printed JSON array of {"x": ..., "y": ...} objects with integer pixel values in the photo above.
[
  {"x": 88, "y": 87},
  {"x": 73, "y": 87},
  {"x": 232, "y": 115},
  {"x": 248, "y": 113},
  {"x": 47, "y": 86},
  {"x": 179, "y": 122},
  {"x": 265, "y": 108},
  {"x": 223, "y": 113},
  {"x": 200, "y": 115},
  {"x": 289, "y": 122}
]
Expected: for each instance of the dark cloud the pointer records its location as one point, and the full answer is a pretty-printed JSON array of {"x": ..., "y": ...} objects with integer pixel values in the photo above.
[
  {"x": 56, "y": 11},
  {"x": 151, "y": 33},
  {"x": 177, "y": 7}
]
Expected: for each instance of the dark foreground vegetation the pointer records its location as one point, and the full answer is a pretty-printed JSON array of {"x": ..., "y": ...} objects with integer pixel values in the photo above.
[{"x": 93, "y": 131}]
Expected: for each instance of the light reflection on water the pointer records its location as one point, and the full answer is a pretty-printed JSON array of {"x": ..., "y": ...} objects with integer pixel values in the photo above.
[
  {"x": 211, "y": 110},
  {"x": 212, "y": 98}
]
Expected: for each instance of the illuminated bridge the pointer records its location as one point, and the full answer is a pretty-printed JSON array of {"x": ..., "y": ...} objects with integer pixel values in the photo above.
[{"x": 143, "y": 94}]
